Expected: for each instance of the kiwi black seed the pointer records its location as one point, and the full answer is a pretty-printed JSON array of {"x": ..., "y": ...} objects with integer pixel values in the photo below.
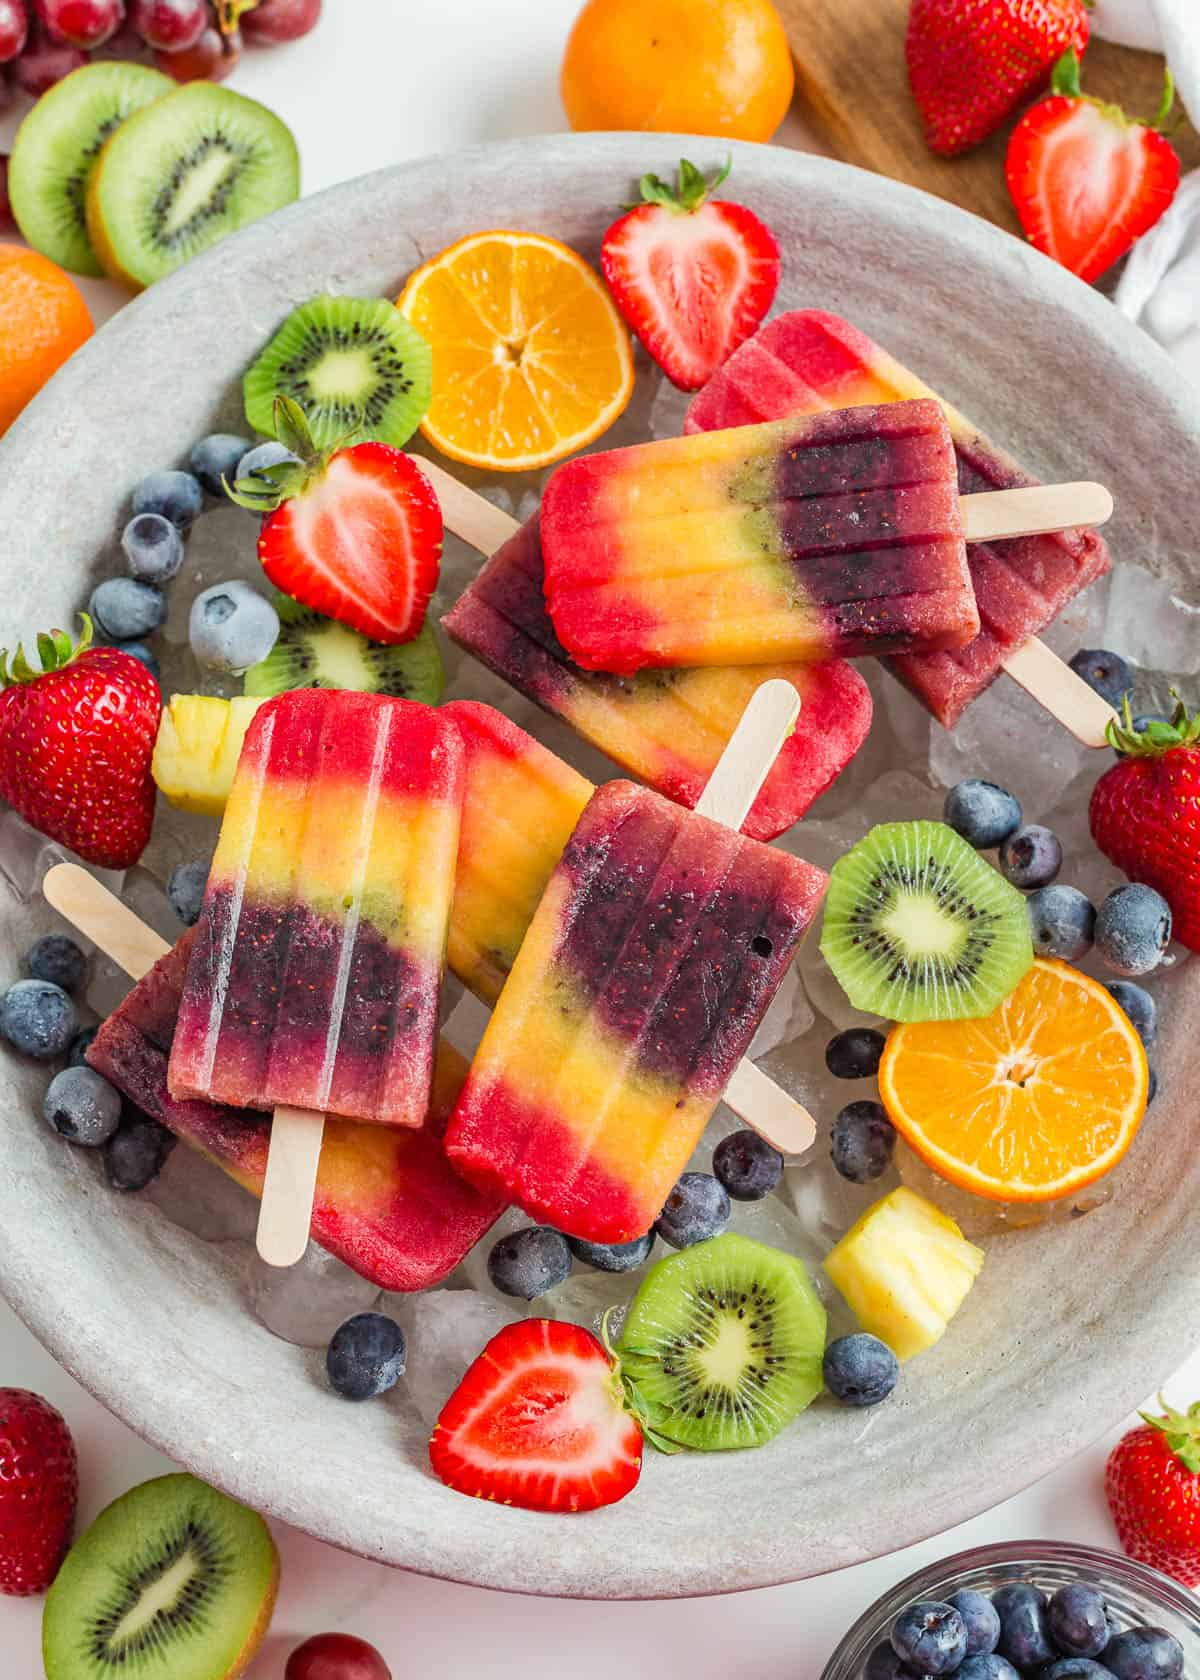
[
  {"x": 317, "y": 652},
  {"x": 173, "y": 1581},
  {"x": 56, "y": 149},
  {"x": 920, "y": 927},
  {"x": 181, "y": 174},
  {"x": 355, "y": 366},
  {"x": 724, "y": 1343}
]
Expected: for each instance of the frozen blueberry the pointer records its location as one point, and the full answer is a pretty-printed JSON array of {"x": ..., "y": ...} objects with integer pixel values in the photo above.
[
  {"x": 613, "y": 1257},
  {"x": 747, "y": 1166},
  {"x": 268, "y": 454},
  {"x": 1031, "y": 857},
  {"x": 216, "y": 457},
  {"x": 1140, "y": 1008},
  {"x": 884, "y": 1664},
  {"x": 38, "y": 1018},
  {"x": 1077, "y": 1619},
  {"x": 987, "y": 1665},
  {"x": 982, "y": 813},
  {"x": 135, "y": 1153},
  {"x": 1075, "y": 1668},
  {"x": 153, "y": 548},
  {"x": 82, "y": 1107},
  {"x": 860, "y": 1370},
  {"x": 366, "y": 1356},
  {"x": 1133, "y": 929},
  {"x": 981, "y": 1619},
  {"x": 77, "y": 1054},
  {"x": 1144, "y": 1653},
  {"x": 1024, "y": 1639},
  {"x": 1062, "y": 921},
  {"x": 855, "y": 1053},
  {"x": 176, "y": 495},
  {"x": 1152, "y": 1087},
  {"x": 863, "y": 1140},
  {"x": 930, "y": 1637},
  {"x": 57, "y": 958},
  {"x": 1106, "y": 672},
  {"x": 127, "y": 610},
  {"x": 697, "y": 1208},
  {"x": 143, "y": 655},
  {"x": 232, "y": 626},
  {"x": 185, "y": 890},
  {"x": 530, "y": 1261}
]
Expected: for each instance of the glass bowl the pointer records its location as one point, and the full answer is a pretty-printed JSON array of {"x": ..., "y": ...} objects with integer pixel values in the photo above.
[{"x": 1137, "y": 1594}]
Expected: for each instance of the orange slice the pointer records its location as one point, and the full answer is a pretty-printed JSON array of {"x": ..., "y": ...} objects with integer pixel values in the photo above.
[
  {"x": 1028, "y": 1104},
  {"x": 530, "y": 358}
]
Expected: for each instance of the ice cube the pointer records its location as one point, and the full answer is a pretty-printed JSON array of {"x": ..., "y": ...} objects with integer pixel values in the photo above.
[
  {"x": 1007, "y": 737},
  {"x": 773, "y": 1221},
  {"x": 26, "y": 854},
  {"x": 307, "y": 1302},
  {"x": 1150, "y": 623},
  {"x": 789, "y": 1015},
  {"x": 588, "y": 1295},
  {"x": 194, "y": 1193},
  {"x": 446, "y": 1330},
  {"x": 826, "y": 1204}
]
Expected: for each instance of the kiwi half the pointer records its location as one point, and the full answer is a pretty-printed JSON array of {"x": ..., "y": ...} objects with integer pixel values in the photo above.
[
  {"x": 173, "y": 1581},
  {"x": 355, "y": 366},
  {"x": 919, "y": 927},
  {"x": 723, "y": 1344},
  {"x": 316, "y": 652},
  {"x": 56, "y": 149},
  {"x": 181, "y": 174}
]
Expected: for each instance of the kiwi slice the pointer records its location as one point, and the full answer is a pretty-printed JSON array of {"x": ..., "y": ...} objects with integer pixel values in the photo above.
[
  {"x": 317, "y": 652},
  {"x": 173, "y": 1581},
  {"x": 56, "y": 150},
  {"x": 356, "y": 367},
  {"x": 723, "y": 1344},
  {"x": 918, "y": 927},
  {"x": 181, "y": 174}
]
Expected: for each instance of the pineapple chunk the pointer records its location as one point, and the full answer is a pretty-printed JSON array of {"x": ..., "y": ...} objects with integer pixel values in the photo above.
[
  {"x": 905, "y": 1269},
  {"x": 196, "y": 753}
]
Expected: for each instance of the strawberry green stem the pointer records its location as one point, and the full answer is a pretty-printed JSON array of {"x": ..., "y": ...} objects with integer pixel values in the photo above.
[
  {"x": 690, "y": 192},
  {"x": 55, "y": 652},
  {"x": 1158, "y": 738},
  {"x": 1182, "y": 1431}
]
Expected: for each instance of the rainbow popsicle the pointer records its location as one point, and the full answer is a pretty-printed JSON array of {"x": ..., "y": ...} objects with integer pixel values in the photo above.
[
  {"x": 808, "y": 362},
  {"x": 667, "y": 728},
  {"x": 657, "y": 946},
  {"x": 804, "y": 539},
  {"x": 315, "y": 976}
]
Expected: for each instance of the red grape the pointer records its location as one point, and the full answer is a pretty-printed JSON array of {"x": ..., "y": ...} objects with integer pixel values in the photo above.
[
  {"x": 44, "y": 63},
  {"x": 280, "y": 20},
  {"x": 14, "y": 28},
  {"x": 81, "y": 23},
  {"x": 336, "y": 1656},
  {"x": 170, "y": 25},
  {"x": 211, "y": 58},
  {"x": 7, "y": 223}
]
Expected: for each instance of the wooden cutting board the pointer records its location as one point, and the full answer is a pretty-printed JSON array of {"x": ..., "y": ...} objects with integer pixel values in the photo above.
[{"x": 853, "y": 88}]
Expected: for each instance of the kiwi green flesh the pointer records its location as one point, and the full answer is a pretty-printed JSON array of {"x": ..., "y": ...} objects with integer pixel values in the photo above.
[
  {"x": 919, "y": 927},
  {"x": 173, "y": 1581},
  {"x": 355, "y": 366},
  {"x": 56, "y": 150},
  {"x": 724, "y": 1343},
  {"x": 317, "y": 652},
  {"x": 182, "y": 174}
]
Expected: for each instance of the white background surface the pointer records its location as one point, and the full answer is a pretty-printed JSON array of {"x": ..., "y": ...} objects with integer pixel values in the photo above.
[{"x": 378, "y": 82}]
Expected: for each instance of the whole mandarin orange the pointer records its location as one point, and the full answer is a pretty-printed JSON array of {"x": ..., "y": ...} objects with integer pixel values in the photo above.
[{"x": 43, "y": 319}]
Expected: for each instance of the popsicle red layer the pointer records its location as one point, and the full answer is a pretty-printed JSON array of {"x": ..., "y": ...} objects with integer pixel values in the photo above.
[
  {"x": 809, "y": 361},
  {"x": 315, "y": 975},
  {"x": 829, "y": 534},
  {"x": 656, "y": 948},
  {"x": 387, "y": 1200},
  {"x": 667, "y": 728}
]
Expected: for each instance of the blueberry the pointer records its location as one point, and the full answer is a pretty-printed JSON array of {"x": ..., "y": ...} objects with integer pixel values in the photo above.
[
  {"x": 1106, "y": 672},
  {"x": 697, "y": 1208},
  {"x": 1075, "y": 1668},
  {"x": 981, "y": 1618},
  {"x": 126, "y": 610},
  {"x": 860, "y": 1370},
  {"x": 1077, "y": 1618},
  {"x": 987, "y": 1665},
  {"x": 1144, "y": 1653},
  {"x": 185, "y": 890},
  {"x": 1139, "y": 1006},
  {"x": 232, "y": 626},
  {"x": 1023, "y": 1636},
  {"x": 366, "y": 1356},
  {"x": 153, "y": 548},
  {"x": 1133, "y": 929},
  {"x": 135, "y": 1153},
  {"x": 884, "y": 1664},
  {"x": 1031, "y": 857},
  {"x": 57, "y": 959},
  {"x": 747, "y": 1166},
  {"x": 143, "y": 655},
  {"x": 176, "y": 495},
  {"x": 1062, "y": 921},
  {"x": 855, "y": 1053},
  {"x": 613, "y": 1257},
  {"x": 930, "y": 1637},
  {"x": 1152, "y": 1087},
  {"x": 77, "y": 1054},
  {"x": 530, "y": 1261},
  {"x": 863, "y": 1139},
  {"x": 268, "y": 454},
  {"x": 82, "y": 1107},
  {"x": 38, "y": 1019},
  {"x": 982, "y": 813},
  {"x": 216, "y": 457}
]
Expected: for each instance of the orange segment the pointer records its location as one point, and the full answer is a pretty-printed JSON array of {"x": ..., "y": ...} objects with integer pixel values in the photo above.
[
  {"x": 530, "y": 359},
  {"x": 1028, "y": 1104}
]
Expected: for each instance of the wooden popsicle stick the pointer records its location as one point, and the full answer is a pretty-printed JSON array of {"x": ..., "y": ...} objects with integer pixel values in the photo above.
[
  {"x": 1033, "y": 511},
  {"x": 468, "y": 514},
  {"x": 1063, "y": 693},
  {"x": 101, "y": 917}
]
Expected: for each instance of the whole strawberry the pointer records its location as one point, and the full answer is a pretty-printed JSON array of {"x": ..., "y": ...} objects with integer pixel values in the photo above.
[
  {"x": 1153, "y": 1488},
  {"x": 39, "y": 1485},
  {"x": 971, "y": 62},
  {"x": 1145, "y": 812}
]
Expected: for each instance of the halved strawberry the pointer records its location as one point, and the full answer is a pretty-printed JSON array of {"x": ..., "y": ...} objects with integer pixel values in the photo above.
[
  {"x": 1086, "y": 179},
  {"x": 540, "y": 1420},
  {"x": 692, "y": 277}
]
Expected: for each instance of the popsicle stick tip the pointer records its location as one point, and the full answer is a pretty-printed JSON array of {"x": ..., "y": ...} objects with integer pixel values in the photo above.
[
  {"x": 101, "y": 917},
  {"x": 285, "y": 1213},
  {"x": 1061, "y": 692},
  {"x": 466, "y": 513},
  {"x": 1034, "y": 510}
]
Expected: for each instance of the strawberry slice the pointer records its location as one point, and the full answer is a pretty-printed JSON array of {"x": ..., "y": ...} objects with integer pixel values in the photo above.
[
  {"x": 692, "y": 277},
  {"x": 1086, "y": 179},
  {"x": 539, "y": 1420}
]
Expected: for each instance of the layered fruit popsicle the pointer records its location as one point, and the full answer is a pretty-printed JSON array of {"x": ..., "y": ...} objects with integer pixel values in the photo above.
[
  {"x": 387, "y": 1201},
  {"x": 809, "y": 361},
  {"x": 315, "y": 975},
  {"x": 657, "y": 946},
  {"x": 667, "y": 728},
  {"x": 808, "y": 538}
]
